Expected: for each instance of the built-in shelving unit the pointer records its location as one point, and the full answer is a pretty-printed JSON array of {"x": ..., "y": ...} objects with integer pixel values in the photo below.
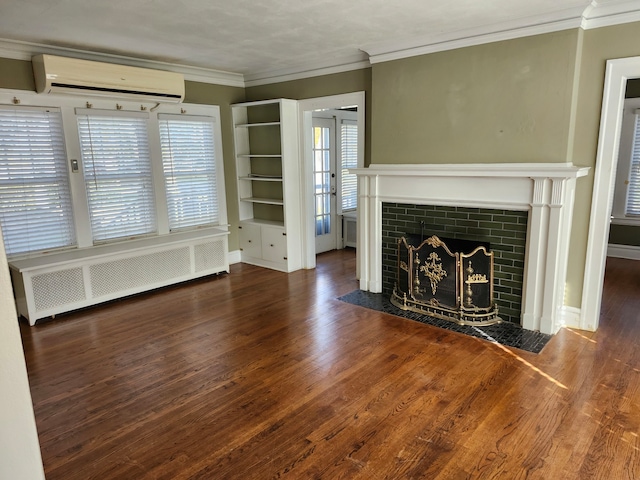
[{"x": 268, "y": 177}]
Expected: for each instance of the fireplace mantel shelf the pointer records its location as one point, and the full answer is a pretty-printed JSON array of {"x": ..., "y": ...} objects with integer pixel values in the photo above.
[
  {"x": 545, "y": 190},
  {"x": 508, "y": 170}
]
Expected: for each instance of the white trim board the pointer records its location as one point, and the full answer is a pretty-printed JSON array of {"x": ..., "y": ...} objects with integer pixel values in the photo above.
[
  {"x": 617, "y": 73},
  {"x": 629, "y": 252},
  {"x": 570, "y": 317}
]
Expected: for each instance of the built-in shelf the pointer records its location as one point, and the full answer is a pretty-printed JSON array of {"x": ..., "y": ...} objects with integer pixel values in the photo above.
[
  {"x": 268, "y": 180},
  {"x": 260, "y": 124},
  {"x": 267, "y": 201},
  {"x": 261, "y": 178}
]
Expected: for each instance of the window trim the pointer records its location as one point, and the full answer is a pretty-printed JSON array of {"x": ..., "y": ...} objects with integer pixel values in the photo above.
[
  {"x": 346, "y": 119},
  {"x": 104, "y": 231},
  {"x": 217, "y": 166},
  {"x": 56, "y": 180}
]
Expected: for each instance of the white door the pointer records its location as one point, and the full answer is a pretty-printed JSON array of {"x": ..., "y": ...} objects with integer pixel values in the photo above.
[{"x": 324, "y": 179}]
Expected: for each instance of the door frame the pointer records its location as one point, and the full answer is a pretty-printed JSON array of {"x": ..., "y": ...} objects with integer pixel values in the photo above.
[
  {"x": 305, "y": 110},
  {"x": 618, "y": 71}
]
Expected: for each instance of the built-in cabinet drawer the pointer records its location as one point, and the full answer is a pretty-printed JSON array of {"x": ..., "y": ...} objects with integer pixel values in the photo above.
[
  {"x": 274, "y": 244},
  {"x": 264, "y": 245},
  {"x": 250, "y": 240}
]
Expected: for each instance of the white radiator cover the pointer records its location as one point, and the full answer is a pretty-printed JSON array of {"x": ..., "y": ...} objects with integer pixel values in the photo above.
[{"x": 61, "y": 282}]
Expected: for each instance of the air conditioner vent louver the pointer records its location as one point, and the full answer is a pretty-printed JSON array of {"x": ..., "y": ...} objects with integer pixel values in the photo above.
[
  {"x": 70, "y": 75},
  {"x": 116, "y": 91}
]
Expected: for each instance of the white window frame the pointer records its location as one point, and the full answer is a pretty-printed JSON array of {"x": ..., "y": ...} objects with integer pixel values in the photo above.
[
  {"x": 619, "y": 214},
  {"x": 68, "y": 104},
  {"x": 140, "y": 181},
  {"x": 209, "y": 172},
  {"x": 345, "y": 117},
  {"x": 46, "y": 224}
]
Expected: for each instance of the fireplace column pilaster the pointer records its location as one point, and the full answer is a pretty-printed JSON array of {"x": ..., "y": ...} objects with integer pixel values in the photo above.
[{"x": 369, "y": 258}]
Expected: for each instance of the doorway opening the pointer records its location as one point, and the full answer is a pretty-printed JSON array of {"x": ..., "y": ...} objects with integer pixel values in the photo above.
[
  {"x": 617, "y": 73},
  {"x": 334, "y": 152},
  {"x": 332, "y": 143}
]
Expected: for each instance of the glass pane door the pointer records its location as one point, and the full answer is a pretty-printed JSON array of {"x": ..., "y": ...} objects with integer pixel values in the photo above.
[{"x": 324, "y": 183}]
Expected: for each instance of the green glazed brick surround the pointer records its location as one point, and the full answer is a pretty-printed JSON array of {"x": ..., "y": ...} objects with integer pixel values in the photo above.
[{"x": 505, "y": 230}]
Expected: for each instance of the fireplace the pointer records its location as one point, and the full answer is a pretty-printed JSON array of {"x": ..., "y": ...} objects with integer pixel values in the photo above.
[{"x": 543, "y": 192}]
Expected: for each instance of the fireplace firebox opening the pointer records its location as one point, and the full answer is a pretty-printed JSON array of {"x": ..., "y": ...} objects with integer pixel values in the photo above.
[{"x": 503, "y": 232}]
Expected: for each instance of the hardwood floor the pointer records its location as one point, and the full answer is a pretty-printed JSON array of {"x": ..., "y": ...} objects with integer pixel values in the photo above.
[{"x": 259, "y": 374}]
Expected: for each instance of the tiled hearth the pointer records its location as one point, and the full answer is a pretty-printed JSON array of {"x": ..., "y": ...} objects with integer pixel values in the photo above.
[
  {"x": 505, "y": 333},
  {"x": 544, "y": 192}
]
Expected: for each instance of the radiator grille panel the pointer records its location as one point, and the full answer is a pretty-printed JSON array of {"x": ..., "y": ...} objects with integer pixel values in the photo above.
[
  {"x": 47, "y": 291},
  {"x": 131, "y": 273},
  {"x": 210, "y": 255},
  {"x": 350, "y": 233}
]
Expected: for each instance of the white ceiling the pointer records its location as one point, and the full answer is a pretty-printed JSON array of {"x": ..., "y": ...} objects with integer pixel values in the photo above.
[{"x": 265, "y": 38}]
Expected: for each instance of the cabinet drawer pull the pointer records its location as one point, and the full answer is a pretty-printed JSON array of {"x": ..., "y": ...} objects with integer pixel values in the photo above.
[{"x": 272, "y": 244}]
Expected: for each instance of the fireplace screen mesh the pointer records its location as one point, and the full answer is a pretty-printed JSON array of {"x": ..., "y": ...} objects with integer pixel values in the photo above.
[{"x": 432, "y": 279}]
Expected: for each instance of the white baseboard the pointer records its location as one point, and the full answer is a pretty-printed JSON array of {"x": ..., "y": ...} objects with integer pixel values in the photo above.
[
  {"x": 569, "y": 317},
  {"x": 234, "y": 257},
  {"x": 623, "y": 251}
]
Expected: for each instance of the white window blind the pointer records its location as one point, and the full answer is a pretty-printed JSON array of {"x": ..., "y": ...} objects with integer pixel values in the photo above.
[
  {"x": 117, "y": 173},
  {"x": 633, "y": 188},
  {"x": 349, "y": 159},
  {"x": 189, "y": 163},
  {"x": 35, "y": 202}
]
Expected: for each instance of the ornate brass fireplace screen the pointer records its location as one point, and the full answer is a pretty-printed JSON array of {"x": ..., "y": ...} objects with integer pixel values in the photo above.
[{"x": 435, "y": 281}]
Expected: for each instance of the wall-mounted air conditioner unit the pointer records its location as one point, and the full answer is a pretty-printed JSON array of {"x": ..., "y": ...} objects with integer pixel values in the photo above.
[{"x": 71, "y": 75}]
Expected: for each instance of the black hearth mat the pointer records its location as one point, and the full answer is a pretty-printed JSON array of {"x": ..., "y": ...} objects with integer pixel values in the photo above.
[{"x": 505, "y": 333}]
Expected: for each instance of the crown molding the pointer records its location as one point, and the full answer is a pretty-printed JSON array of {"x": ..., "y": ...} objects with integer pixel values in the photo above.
[
  {"x": 609, "y": 14},
  {"x": 316, "y": 69},
  {"x": 594, "y": 16},
  {"x": 526, "y": 27},
  {"x": 24, "y": 51}
]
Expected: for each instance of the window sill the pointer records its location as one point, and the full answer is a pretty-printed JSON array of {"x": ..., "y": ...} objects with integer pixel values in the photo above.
[{"x": 634, "y": 222}]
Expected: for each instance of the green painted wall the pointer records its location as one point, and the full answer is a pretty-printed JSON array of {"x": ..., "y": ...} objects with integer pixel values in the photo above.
[
  {"x": 625, "y": 235},
  {"x": 323, "y": 86},
  {"x": 16, "y": 74},
  {"x": 502, "y": 102}
]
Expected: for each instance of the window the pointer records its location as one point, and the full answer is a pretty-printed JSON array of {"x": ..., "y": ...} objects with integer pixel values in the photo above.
[
  {"x": 626, "y": 201},
  {"x": 189, "y": 164},
  {"x": 35, "y": 201},
  {"x": 143, "y": 169},
  {"x": 117, "y": 173},
  {"x": 632, "y": 206},
  {"x": 349, "y": 159}
]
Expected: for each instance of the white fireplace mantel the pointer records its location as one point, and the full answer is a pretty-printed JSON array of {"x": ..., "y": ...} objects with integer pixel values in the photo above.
[{"x": 545, "y": 190}]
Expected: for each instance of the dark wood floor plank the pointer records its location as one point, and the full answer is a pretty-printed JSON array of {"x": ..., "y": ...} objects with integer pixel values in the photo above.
[{"x": 260, "y": 374}]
